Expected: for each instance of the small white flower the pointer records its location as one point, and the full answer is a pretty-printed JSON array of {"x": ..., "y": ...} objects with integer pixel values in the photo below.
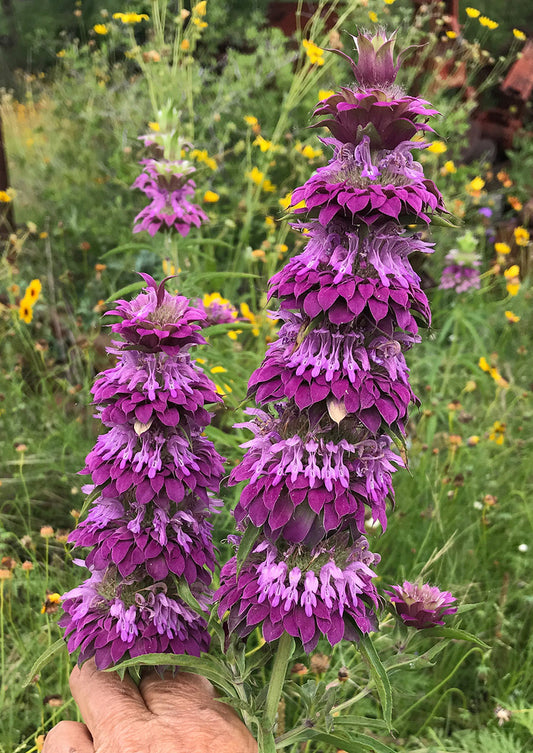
[
  {"x": 478, "y": 505},
  {"x": 523, "y": 548}
]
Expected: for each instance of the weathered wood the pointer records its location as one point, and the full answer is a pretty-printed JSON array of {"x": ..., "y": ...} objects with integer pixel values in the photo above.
[
  {"x": 7, "y": 217},
  {"x": 519, "y": 80}
]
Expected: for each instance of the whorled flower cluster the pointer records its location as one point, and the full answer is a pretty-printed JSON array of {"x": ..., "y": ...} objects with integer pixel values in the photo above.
[
  {"x": 335, "y": 386},
  {"x": 169, "y": 186},
  {"x": 154, "y": 475}
]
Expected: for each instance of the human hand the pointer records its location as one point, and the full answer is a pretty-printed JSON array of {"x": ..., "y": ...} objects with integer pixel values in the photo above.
[{"x": 169, "y": 714}]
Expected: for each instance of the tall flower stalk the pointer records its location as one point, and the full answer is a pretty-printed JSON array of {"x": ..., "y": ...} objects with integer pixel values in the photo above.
[
  {"x": 334, "y": 388},
  {"x": 154, "y": 476}
]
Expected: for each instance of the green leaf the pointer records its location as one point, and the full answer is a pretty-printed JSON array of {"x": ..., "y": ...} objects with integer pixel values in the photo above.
[
  {"x": 126, "y": 291},
  {"x": 247, "y": 542},
  {"x": 453, "y": 634},
  {"x": 352, "y": 720},
  {"x": 185, "y": 593},
  {"x": 123, "y": 248},
  {"x": 221, "y": 329},
  {"x": 354, "y": 743},
  {"x": 380, "y": 677},
  {"x": 44, "y": 659},
  {"x": 205, "y": 665}
]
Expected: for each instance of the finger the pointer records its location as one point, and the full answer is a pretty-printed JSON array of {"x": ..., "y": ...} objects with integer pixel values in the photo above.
[
  {"x": 106, "y": 702},
  {"x": 68, "y": 737},
  {"x": 175, "y": 691}
]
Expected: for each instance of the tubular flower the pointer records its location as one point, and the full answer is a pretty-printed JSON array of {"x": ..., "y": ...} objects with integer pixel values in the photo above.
[
  {"x": 154, "y": 475},
  {"x": 326, "y": 590},
  {"x": 421, "y": 606},
  {"x": 335, "y": 383}
]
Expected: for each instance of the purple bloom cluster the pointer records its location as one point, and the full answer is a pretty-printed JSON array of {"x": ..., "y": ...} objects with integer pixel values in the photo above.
[
  {"x": 335, "y": 384},
  {"x": 421, "y": 606},
  {"x": 169, "y": 186},
  {"x": 154, "y": 475},
  {"x": 461, "y": 273}
]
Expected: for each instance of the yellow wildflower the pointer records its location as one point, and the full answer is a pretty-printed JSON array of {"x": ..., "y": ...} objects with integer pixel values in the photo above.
[
  {"x": 307, "y": 151},
  {"x": 251, "y": 120},
  {"x": 130, "y": 18},
  {"x": 519, "y": 34},
  {"x": 389, "y": 2},
  {"x": 100, "y": 29},
  {"x": 185, "y": 45},
  {"x": 498, "y": 432},
  {"x": 285, "y": 201},
  {"x": 521, "y": 236},
  {"x": 483, "y": 364},
  {"x": 472, "y": 12},
  {"x": 234, "y": 334},
  {"x": 437, "y": 147},
  {"x": 199, "y": 23},
  {"x": 211, "y": 197},
  {"x": 451, "y": 34},
  {"x": 256, "y": 175},
  {"x": 502, "y": 248},
  {"x": 325, "y": 93},
  {"x": 218, "y": 370},
  {"x": 200, "y": 8},
  {"x": 513, "y": 318},
  {"x": 488, "y": 22},
  {"x": 202, "y": 156},
  {"x": 314, "y": 53},
  {"x": 270, "y": 222},
  {"x": 33, "y": 291},
  {"x": 449, "y": 167},
  {"x": 25, "y": 311},
  {"x": 43, "y": 235},
  {"x": 263, "y": 144},
  {"x": 475, "y": 185},
  {"x": 373, "y": 16},
  {"x": 168, "y": 267},
  {"x": 61, "y": 54},
  {"x": 5, "y": 198},
  {"x": 473, "y": 440},
  {"x": 248, "y": 314},
  {"x": 153, "y": 126},
  {"x": 268, "y": 186},
  {"x": 512, "y": 279}
]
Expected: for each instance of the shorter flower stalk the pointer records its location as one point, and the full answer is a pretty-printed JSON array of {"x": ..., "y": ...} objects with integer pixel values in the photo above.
[{"x": 154, "y": 475}]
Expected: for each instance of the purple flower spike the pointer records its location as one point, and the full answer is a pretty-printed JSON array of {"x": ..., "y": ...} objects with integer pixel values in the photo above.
[
  {"x": 335, "y": 384},
  {"x": 156, "y": 474},
  {"x": 168, "y": 185},
  {"x": 421, "y": 606}
]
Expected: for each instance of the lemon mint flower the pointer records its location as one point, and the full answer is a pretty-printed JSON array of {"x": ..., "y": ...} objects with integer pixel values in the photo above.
[
  {"x": 154, "y": 475},
  {"x": 334, "y": 386}
]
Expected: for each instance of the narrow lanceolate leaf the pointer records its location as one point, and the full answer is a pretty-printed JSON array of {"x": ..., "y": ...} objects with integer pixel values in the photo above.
[
  {"x": 248, "y": 540},
  {"x": 354, "y": 743},
  {"x": 379, "y": 676},
  {"x": 44, "y": 659},
  {"x": 206, "y": 666},
  {"x": 454, "y": 634}
]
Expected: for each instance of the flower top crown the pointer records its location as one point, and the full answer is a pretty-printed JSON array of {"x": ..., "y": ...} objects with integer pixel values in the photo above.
[
  {"x": 375, "y": 67},
  {"x": 157, "y": 321}
]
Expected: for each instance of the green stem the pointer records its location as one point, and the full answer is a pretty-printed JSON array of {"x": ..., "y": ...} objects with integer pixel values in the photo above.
[{"x": 277, "y": 679}]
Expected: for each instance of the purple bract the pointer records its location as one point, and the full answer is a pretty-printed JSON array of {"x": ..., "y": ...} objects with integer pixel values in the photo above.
[{"x": 421, "y": 606}]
